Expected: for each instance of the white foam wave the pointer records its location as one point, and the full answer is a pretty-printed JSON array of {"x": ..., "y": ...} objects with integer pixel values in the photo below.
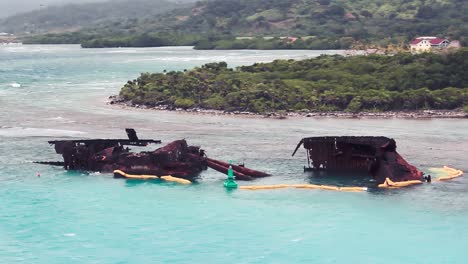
[
  {"x": 15, "y": 85},
  {"x": 124, "y": 51},
  {"x": 38, "y": 48},
  {"x": 38, "y": 132},
  {"x": 60, "y": 119}
]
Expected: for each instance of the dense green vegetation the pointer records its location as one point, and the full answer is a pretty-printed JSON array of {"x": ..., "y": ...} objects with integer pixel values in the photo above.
[
  {"x": 322, "y": 24},
  {"x": 142, "y": 40},
  {"x": 274, "y": 43},
  {"x": 63, "y": 38},
  {"x": 326, "y": 83},
  {"x": 74, "y": 16}
]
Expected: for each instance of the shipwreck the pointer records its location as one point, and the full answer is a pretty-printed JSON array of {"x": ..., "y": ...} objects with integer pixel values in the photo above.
[
  {"x": 177, "y": 159},
  {"x": 375, "y": 156}
]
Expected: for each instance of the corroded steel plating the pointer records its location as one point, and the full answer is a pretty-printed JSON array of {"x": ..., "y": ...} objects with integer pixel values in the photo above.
[
  {"x": 374, "y": 155},
  {"x": 107, "y": 155}
]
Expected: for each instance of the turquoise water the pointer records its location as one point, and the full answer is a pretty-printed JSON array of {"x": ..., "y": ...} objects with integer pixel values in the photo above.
[{"x": 49, "y": 92}]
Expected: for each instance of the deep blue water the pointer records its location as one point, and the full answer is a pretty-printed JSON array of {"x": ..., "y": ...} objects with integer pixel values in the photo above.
[{"x": 49, "y": 92}]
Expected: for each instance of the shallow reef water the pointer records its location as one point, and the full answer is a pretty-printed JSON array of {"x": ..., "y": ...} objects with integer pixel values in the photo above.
[{"x": 78, "y": 217}]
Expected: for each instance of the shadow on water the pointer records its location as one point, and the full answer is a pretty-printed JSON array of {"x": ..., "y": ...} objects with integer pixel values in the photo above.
[
  {"x": 128, "y": 182},
  {"x": 341, "y": 179},
  {"x": 137, "y": 182},
  {"x": 346, "y": 179},
  {"x": 76, "y": 173}
]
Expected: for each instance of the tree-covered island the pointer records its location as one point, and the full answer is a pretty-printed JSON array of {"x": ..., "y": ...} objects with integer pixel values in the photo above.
[{"x": 326, "y": 83}]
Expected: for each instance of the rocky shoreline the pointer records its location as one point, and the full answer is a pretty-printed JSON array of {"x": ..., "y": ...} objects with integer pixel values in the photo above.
[{"x": 422, "y": 114}]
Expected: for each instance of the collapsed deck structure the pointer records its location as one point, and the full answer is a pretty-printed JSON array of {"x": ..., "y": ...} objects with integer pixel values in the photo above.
[
  {"x": 376, "y": 156},
  {"x": 107, "y": 155},
  {"x": 176, "y": 159}
]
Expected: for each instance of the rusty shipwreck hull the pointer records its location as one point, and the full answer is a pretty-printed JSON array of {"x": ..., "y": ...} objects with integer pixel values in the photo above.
[
  {"x": 106, "y": 155},
  {"x": 177, "y": 158},
  {"x": 376, "y": 156}
]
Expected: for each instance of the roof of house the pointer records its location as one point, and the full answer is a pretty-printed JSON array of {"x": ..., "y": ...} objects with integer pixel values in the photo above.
[
  {"x": 437, "y": 41},
  {"x": 416, "y": 41}
]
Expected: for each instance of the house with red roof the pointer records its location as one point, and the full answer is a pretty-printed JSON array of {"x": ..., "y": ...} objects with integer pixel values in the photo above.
[{"x": 427, "y": 44}]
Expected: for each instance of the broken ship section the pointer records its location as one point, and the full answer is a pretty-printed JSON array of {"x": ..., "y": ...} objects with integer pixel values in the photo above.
[
  {"x": 376, "y": 156},
  {"x": 182, "y": 163},
  {"x": 177, "y": 159}
]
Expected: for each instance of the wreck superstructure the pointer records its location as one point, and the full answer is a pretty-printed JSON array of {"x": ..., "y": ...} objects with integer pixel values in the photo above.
[
  {"x": 376, "y": 156},
  {"x": 95, "y": 154},
  {"x": 107, "y": 155},
  {"x": 182, "y": 163},
  {"x": 176, "y": 159}
]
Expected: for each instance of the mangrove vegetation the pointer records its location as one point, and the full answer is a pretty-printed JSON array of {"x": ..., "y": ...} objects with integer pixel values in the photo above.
[{"x": 325, "y": 83}]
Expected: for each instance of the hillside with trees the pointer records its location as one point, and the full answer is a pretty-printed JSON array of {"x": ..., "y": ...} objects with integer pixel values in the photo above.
[
  {"x": 319, "y": 23},
  {"x": 72, "y": 17},
  {"x": 326, "y": 83}
]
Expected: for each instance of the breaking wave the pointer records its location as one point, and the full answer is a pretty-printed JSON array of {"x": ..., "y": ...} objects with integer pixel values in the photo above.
[{"x": 37, "y": 132}]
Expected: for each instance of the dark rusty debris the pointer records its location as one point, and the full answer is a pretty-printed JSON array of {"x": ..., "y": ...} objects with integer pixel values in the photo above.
[
  {"x": 177, "y": 158},
  {"x": 376, "y": 156}
]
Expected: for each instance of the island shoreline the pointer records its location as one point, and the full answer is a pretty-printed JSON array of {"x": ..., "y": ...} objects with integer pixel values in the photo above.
[{"x": 416, "y": 114}]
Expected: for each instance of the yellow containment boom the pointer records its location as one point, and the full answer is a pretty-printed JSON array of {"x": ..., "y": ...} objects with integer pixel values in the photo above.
[
  {"x": 152, "y": 177},
  {"x": 452, "y": 174},
  {"x": 136, "y": 177},
  {"x": 304, "y": 186},
  {"x": 175, "y": 179},
  {"x": 391, "y": 184}
]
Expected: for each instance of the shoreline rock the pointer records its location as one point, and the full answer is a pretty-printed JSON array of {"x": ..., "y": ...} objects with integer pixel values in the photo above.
[{"x": 421, "y": 114}]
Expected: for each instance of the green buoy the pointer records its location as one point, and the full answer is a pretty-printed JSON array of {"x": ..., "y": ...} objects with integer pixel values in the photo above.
[{"x": 230, "y": 182}]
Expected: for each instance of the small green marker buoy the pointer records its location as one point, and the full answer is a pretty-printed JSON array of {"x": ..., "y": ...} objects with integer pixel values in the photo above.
[{"x": 230, "y": 182}]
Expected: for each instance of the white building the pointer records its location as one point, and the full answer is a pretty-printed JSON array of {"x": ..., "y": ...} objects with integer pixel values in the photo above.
[{"x": 426, "y": 44}]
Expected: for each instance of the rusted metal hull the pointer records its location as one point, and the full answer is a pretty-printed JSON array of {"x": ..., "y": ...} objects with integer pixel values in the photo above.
[
  {"x": 376, "y": 156},
  {"x": 172, "y": 159},
  {"x": 107, "y": 155},
  {"x": 177, "y": 158},
  {"x": 240, "y": 169},
  {"x": 218, "y": 167}
]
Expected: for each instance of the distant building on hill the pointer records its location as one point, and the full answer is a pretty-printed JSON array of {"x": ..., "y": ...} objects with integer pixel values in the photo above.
[{"x": 428, "y": 44}]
